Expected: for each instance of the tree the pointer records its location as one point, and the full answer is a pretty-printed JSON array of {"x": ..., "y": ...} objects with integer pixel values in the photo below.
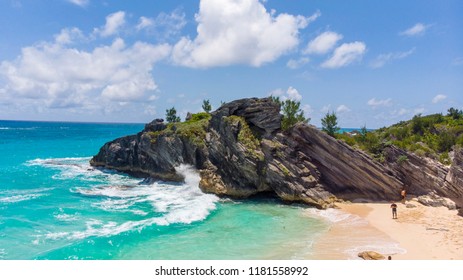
[
  {"x": 207, "y": 106},
  {"x": 171, "y": 115},
  {"x": 363, "y": 133},
  {"x": 417, "y": 124},
  {"x": 292, "y": 112},
  {"x": 455, "y": 113},
  {"x": 330, "y": 123}
]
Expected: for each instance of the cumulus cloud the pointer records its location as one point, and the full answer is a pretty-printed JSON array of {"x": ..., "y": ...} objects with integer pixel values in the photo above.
[
  {"x": 238, "y": 32},
  {"x": 381, "y": 102},
  {"x": 438, "y": 98},
  {"x": 382, "y": 59},
  {"x": 416, "y": 30},
  {"x": 323, "y": 43},
  {"x": 291, "y": 93},
  {"x": 343, "y": 109},
  {"x": 345, "y": 54},
  {"x": 81, "y": 3},
  {"x": 57, "y": 76},
  {"x": 113, "y": 24}
]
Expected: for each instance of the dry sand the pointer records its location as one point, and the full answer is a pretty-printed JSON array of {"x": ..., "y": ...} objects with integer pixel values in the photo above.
[{"x": 419, "y": 233}]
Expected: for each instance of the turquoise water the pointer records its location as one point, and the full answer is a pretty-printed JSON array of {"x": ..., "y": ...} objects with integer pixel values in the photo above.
[{"x": 54, "y": 205}]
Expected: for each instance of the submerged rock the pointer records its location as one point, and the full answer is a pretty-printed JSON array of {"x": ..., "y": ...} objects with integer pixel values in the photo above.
[{"x": 240, "y": 151}]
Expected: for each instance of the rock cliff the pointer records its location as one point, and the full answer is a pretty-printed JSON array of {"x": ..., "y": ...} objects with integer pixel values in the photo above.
[{"x": 241, "y": 151}]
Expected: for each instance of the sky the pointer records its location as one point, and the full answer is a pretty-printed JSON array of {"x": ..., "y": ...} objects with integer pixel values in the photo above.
[{"x": 372, "y": 62}]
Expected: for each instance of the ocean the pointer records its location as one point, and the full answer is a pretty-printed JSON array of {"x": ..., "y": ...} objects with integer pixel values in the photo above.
[{"x": 54, "y": 205}]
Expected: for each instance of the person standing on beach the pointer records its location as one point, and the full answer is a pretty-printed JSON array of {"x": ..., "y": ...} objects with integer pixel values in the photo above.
[
  {"x": 394, "y": 210},
  {"x": 403, "y": 193}
]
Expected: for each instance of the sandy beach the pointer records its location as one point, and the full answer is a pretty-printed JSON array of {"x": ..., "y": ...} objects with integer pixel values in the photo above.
[{"x": 419, "y": 232}]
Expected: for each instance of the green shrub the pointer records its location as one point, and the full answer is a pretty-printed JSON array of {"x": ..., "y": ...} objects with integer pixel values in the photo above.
[
  {"x": 346, "y": 138},
  {"x": 247, "y": 137},
  {"x": 199, "y": 116},
  {"x": 401, "y": 159},
  {"x": 445, "y": 159}
]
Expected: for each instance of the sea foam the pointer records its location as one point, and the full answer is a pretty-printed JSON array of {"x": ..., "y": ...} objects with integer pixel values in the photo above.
[
  {"x": 15, "y": 195},
  {"x": 174, "y": 203}
]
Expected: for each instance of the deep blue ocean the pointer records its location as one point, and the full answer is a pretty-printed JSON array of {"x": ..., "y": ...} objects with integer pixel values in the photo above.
[{"x": 54, "y": 205}]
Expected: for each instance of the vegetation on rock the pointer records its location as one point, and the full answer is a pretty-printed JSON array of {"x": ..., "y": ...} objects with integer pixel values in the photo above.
[
  {"x": 292, "y": 113},
  {"x": 171, "y": 115},
  {"x": 194, "y": 129},
  {"x": 207, "y": 106},
  {"x": 330, "y": 123},
  {"x": 247, "y": 137},
  {"x": 432, "y": 136}
]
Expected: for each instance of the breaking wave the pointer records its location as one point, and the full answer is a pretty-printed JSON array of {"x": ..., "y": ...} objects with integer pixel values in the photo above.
[{"x": 170, "y": 203}]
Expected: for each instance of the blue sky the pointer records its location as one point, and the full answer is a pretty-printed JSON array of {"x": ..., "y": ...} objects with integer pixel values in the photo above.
[{"x": 372, "y": 62}]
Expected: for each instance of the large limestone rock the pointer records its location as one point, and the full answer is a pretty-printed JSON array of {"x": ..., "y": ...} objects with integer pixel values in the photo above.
[
  {"x": 422, "y": 176},
  {"x": 241, "y": 151}
]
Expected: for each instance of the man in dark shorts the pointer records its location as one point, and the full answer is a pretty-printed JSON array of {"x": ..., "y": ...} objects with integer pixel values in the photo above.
[{"x": 394, "y": 210}]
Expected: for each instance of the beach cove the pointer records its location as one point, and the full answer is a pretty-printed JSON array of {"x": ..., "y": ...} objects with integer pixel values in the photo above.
[{"x": 420, "y": 232}]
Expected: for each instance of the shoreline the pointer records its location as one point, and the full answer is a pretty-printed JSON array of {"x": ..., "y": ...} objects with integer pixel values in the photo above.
[{"x": 419, "y": 233}]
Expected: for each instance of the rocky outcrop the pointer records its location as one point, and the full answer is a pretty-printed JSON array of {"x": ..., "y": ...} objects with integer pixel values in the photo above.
[
  {"x": 423, "y": 176},
  {"x": 436, "y": 201},
  {"x": 241, "y": 151}
]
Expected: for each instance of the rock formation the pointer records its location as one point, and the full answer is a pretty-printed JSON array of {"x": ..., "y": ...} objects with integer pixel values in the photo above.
[
  {"x": 240, "y": 150},
  {"x": 428, "y": 178},
  {"x": 371, "y": 255}
]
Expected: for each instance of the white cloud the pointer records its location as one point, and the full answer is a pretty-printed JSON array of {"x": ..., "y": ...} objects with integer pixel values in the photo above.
[
  {"x": 68, "y": 36},
  {"x": 345, "y": 55},
  {"x": 113, "y": 23},
  {"x": 307, "y": 109},
  {"x": 172, "y": 22},
  {"x": 144, "y": 22},
  {"x": 323, "y": 43},
  {"x": 343, "y": 109},
  {"x": 382, "y": 59},
  {"x": 81, "y": 3},
  {"x": 297, "y": 63},
  {"x": 238, "y": 32},
  {"x": 416, "y": 30},
  {"x": 291, "y": 93},
  {"x": 52, "y": 75},
  {"x": 314, "y": 17},
  {"x": 377, "y": 103},
  {"x": 438, "y": 98},
  {"x": 164, "y": 25}
]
